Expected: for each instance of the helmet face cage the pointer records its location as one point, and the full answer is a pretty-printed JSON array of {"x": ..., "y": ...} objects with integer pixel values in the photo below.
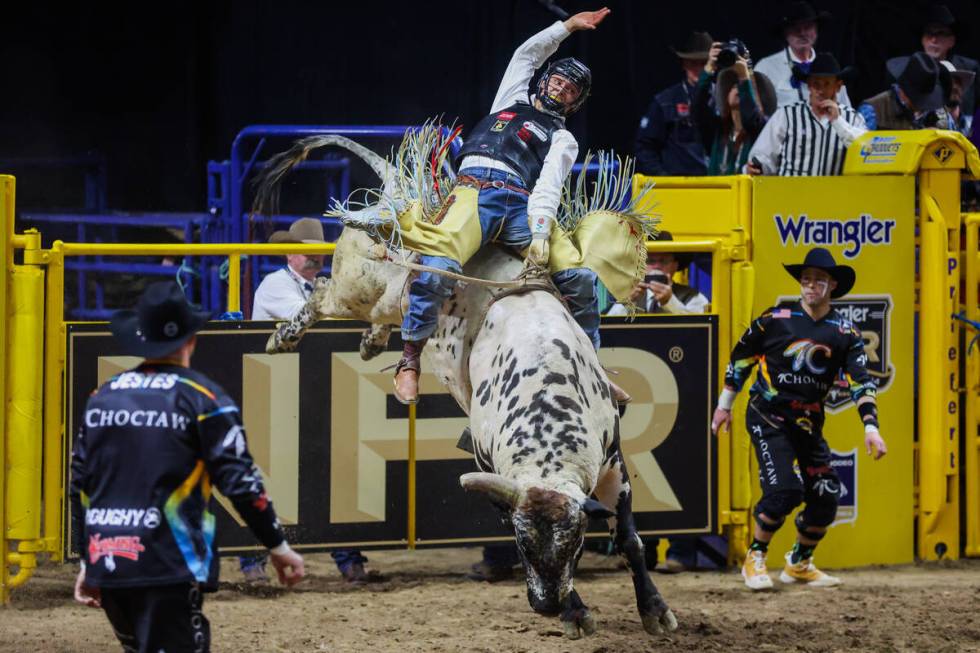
[{"x": 574, "y": 71}]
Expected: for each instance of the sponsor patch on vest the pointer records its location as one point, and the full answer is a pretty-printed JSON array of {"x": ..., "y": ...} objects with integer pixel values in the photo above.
[
  {"x": 536, "y": 129},
  {"x": 503, "y": 118},
  {"x": 683, "y": 109},
  {"x": 124, "y": 546},
  {"x": 845, "y": 464},
  {"x": 880, "y": 149},
  {"x": 159, "y": 419},
  {"x": 865, "y": 230},
  {"x": 128, "y": 517}
]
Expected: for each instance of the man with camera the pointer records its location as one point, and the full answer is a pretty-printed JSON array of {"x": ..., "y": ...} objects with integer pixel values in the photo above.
[
  {"x": 799, "y": 26},
  {"x": 658, "y": 293},
  {"x": 667, "y": 141}
]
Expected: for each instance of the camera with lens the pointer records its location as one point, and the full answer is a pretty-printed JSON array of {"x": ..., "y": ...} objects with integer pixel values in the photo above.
[{"x": 731, "y": 50}]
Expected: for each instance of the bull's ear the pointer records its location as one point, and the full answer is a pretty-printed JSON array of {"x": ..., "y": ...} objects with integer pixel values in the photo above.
[{"x": 596, "y": 510}]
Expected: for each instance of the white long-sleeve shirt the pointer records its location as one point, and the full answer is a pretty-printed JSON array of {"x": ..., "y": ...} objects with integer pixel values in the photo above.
[
  {"x": 528, "y": 57},
  {"x": 778, "y": 68},
  {"x": 795, "y": 142},
  {"x": 280, "y": 295}
]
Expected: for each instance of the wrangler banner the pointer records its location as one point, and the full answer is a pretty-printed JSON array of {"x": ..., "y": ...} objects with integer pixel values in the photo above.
[
  {"x": 331, "y": 439},
  {"x": 867, "y": 223}
]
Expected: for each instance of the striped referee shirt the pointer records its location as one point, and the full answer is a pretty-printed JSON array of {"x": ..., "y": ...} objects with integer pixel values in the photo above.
[{"x": 796, "y": 143}]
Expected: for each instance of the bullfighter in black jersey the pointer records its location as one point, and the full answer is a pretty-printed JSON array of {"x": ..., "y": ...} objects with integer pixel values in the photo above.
[
  {"x": 802, "y": 349},
  {"x": 153, "y": 442}
]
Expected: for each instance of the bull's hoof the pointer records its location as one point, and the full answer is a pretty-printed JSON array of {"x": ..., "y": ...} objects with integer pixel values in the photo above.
[
  {"x": 369, "y": 349},
  {"x": 577, "y": 623},
  {"x": 276, "y": 344},
  {"x": 665, "y": 623}
]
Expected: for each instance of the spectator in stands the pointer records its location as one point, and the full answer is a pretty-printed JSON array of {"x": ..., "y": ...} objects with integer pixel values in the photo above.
[
  {"x": 282, "y": 293},
  {"x": 667, "y": 142},
  {"x": 939, "y": 32},
  {"x": 744, "y": 101},
  {"x": 809, "y": 138},
  {"x": 799, "y": 25},
  {"x": 279, "y": 297},
  {"x": 658, "y": 292},
  {"x": 962, "y": 86},
  {"x": 915, "y": 100}
]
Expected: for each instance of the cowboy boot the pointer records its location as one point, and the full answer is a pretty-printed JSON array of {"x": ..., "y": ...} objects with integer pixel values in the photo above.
[{"x": 407, "y": 373}]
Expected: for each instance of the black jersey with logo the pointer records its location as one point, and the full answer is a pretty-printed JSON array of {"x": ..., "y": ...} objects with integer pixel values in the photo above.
[
  {"x": 519, "y": 136},
  {"x": 800, "y": 358},
  {"x": 153, "y": 442}
]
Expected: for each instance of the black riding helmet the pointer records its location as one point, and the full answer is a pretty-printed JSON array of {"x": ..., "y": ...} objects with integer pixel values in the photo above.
[{"x": 574, "y": 71}]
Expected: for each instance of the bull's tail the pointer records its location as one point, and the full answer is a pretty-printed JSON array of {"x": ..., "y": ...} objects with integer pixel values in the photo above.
[{"x": 267, "y": 183}]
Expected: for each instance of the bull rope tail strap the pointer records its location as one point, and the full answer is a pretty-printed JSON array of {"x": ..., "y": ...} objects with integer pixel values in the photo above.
[{"x": 514, "y": 283}]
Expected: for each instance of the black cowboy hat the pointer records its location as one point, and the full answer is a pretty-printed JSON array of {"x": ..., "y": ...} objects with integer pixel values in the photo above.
[
  {"x": 683, "y": 259},
  {"x": 695, "y": 46},
  {"x": 161, "y": 322},
  {"x": 941, "y": 16},
  {"x": 799, "y": 12},
  {"x": 820, "y": 258},
  {"x": 921, "y": 78},
  {"x": 765, "y": 91},
  {"x": 824, "y": 65}
]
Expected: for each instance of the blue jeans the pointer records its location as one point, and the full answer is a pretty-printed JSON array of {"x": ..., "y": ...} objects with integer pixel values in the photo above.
[
  {"x": 503, "y": 219},
  {"x": 347, "y": 557}
]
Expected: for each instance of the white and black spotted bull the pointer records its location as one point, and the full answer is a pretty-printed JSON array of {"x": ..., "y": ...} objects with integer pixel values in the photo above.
[
  {"x": 545, "y": 429},
  {"x": 546, "y": 437}
]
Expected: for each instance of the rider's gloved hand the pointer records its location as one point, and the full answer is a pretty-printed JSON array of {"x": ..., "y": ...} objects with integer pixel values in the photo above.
[{"x": 537, "y": 253}]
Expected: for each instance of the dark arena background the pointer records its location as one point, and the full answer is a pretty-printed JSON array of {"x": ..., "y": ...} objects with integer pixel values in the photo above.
[{"x": 124, "y": 111}]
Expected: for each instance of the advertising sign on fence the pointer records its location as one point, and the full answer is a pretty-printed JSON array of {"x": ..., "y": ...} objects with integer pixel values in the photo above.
[
  {"x": 331, "y": 439},
  {"x": 867, "y": 223}
]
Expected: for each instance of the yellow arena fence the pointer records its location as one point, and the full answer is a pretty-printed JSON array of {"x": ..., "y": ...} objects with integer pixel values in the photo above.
[{"x": 894, "y": 184}]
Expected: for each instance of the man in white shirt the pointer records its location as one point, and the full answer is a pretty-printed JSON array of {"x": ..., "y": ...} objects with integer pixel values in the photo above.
[
  {"x": 283, "y": 292},
  {"x": 809, "y": 138},
  {"x": 658, "y": 293},
  {"x": 518, "y": 158},
  {"x": 799, "y": 25}
]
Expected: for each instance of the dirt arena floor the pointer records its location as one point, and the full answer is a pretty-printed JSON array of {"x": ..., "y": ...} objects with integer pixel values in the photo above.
[{"x": 427, "y": 605}]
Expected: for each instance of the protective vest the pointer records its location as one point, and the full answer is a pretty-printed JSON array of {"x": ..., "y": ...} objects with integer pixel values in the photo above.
[{"x": 519, "y": 136}]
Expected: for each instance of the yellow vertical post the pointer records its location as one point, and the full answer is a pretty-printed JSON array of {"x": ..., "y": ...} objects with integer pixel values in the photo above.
[
  {"x": 6, "y": 263},
  {"x": 411, "y": 476},
  {"x": 234, "y": 282},
  {"x": 939, "y": 209},
  {"x": 55, "y": 440},
  {"x": 971, "y": 385},
  {"x": 720, "y": 302}
]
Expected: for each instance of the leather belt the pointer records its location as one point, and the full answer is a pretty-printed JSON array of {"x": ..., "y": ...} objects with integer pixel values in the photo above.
[{"x": 473, "y": 182}]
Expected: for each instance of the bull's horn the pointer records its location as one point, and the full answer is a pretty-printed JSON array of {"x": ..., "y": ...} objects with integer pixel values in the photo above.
[{"x": 503, "y": 490}]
